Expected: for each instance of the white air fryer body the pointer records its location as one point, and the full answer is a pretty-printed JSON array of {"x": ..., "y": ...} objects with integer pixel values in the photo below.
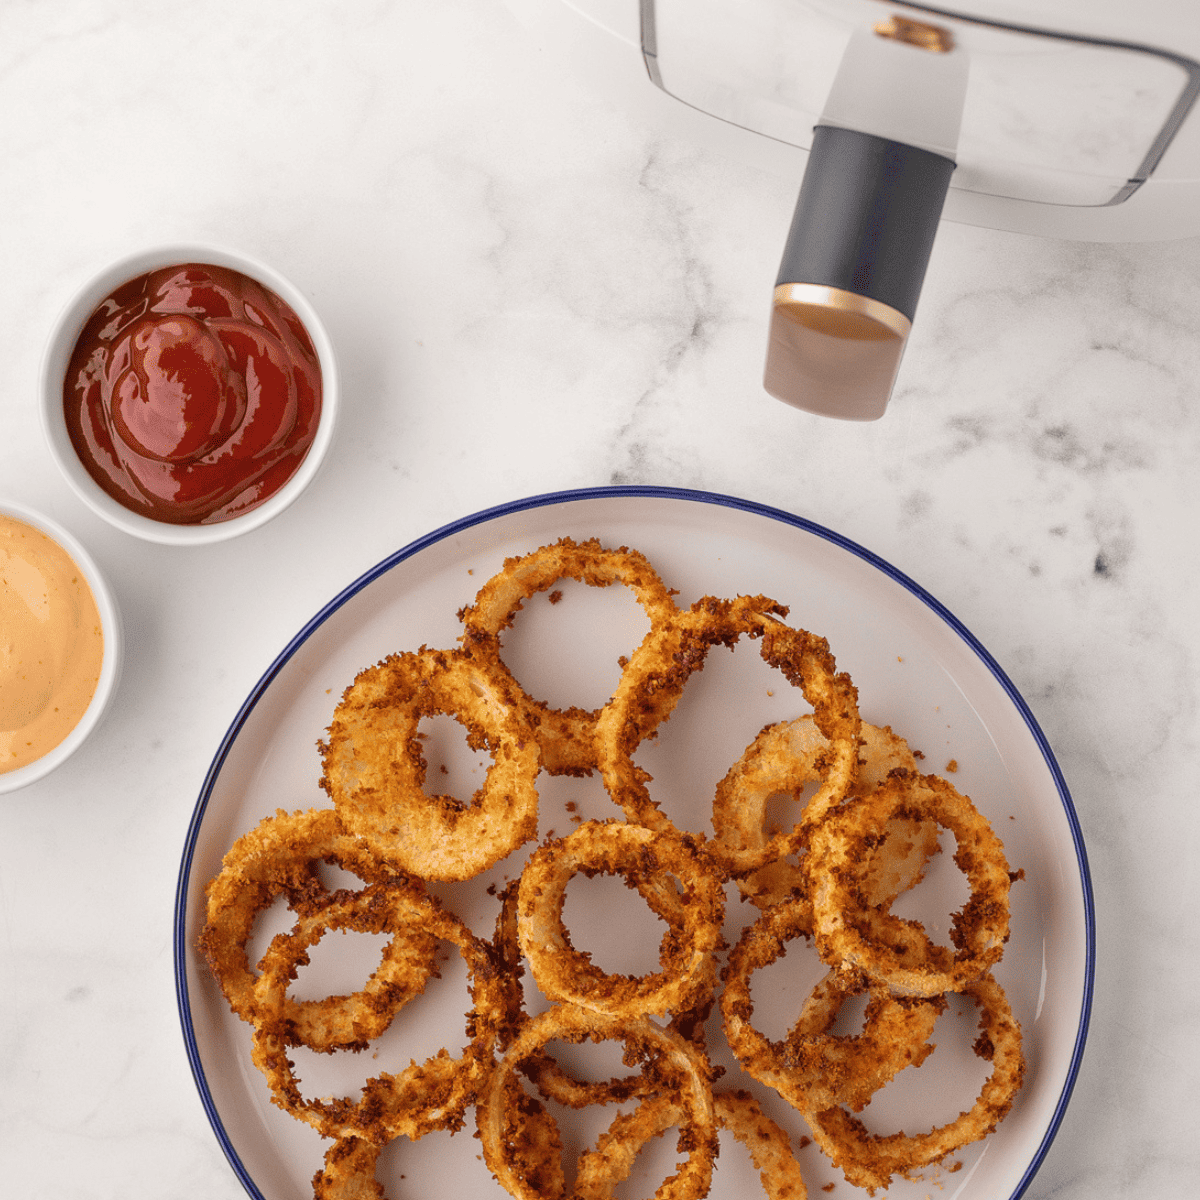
[
  {"x": 1068, "y": 100},
  {"x": 1064, "y": 118}
]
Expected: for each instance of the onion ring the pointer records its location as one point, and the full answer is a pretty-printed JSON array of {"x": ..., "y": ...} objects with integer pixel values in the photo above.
[
  {"x": 673, "y": 1063},
  {"x": 541, "y": 1068},
  {"x": 784, "y": 759},
  {"x": 769, "y": 1147},
  {"x": 348, "y": 1022},
  {"x": 888, "y": 948},
  {"x": 422, "y": 1097},
  {"x": 565, "y": 735},
  {"x": 277, "y": 858},
  {"x": 374, "y": 770},
  {"x": 603, "y": 1169},
  {"x": 349, "y": 1172},
  {"x": 688, "y": 966},
  {"x": 533, "y": 1149},
  {"x": 869, "y": 1160},
  {"x": 658, "y": 671},
  {"x": 825, "y": 1069},
  {"x": 813, "y": 1069}
]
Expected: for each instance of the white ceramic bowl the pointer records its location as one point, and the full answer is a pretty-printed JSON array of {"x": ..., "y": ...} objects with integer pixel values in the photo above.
[
  {"x": 58, "y": 353},
  {"x": 114, "y": 647}
]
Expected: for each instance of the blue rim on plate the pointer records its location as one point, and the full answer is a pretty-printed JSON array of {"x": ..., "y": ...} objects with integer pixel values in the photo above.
[{"x": 181, "y": 948}]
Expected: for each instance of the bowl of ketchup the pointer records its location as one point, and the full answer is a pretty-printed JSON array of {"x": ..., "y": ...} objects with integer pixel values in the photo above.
[{"x": 189, "y": 393}]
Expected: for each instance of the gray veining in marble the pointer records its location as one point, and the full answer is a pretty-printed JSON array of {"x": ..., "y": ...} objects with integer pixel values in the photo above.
[{"x": 530, "y": 291}]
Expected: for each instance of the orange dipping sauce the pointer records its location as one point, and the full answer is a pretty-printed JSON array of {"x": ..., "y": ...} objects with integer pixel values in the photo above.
[
  {"x": 193, "y": 394},
  {"x": 51, "y": 644}
]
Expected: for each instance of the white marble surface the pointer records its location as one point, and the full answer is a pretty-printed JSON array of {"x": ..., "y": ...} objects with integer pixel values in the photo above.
[{"x": 531, "y": 291}]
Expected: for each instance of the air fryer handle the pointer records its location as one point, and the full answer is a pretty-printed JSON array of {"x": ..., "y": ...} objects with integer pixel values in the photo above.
[
  {"x": 867, "y": 216},
  {"x": 852, "y": 270}
]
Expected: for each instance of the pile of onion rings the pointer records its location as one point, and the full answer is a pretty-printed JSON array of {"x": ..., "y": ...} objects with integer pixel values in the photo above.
[{"x": 863, "y": 825}]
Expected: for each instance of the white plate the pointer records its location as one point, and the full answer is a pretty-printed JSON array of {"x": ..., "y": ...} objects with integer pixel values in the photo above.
[{"x": 916, "y": 669}]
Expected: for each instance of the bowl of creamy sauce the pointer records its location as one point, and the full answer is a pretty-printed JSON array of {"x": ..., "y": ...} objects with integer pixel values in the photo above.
[
  {"x": 60, "y": 646},
  {"x": 189, "y": 393}
]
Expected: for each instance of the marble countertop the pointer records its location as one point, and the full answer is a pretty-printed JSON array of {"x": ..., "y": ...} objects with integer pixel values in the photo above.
[{"x": 529, "y": 290}]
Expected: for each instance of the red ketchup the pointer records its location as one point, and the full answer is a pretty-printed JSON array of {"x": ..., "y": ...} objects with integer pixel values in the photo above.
[{"x": 193, "y": 394}]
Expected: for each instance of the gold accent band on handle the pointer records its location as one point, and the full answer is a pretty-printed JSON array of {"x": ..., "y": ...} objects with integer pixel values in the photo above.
[
  {"x": 937, "y": 39},
  {"x": 838, "y": 313},
  {"x": 833, "y": 352}
]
